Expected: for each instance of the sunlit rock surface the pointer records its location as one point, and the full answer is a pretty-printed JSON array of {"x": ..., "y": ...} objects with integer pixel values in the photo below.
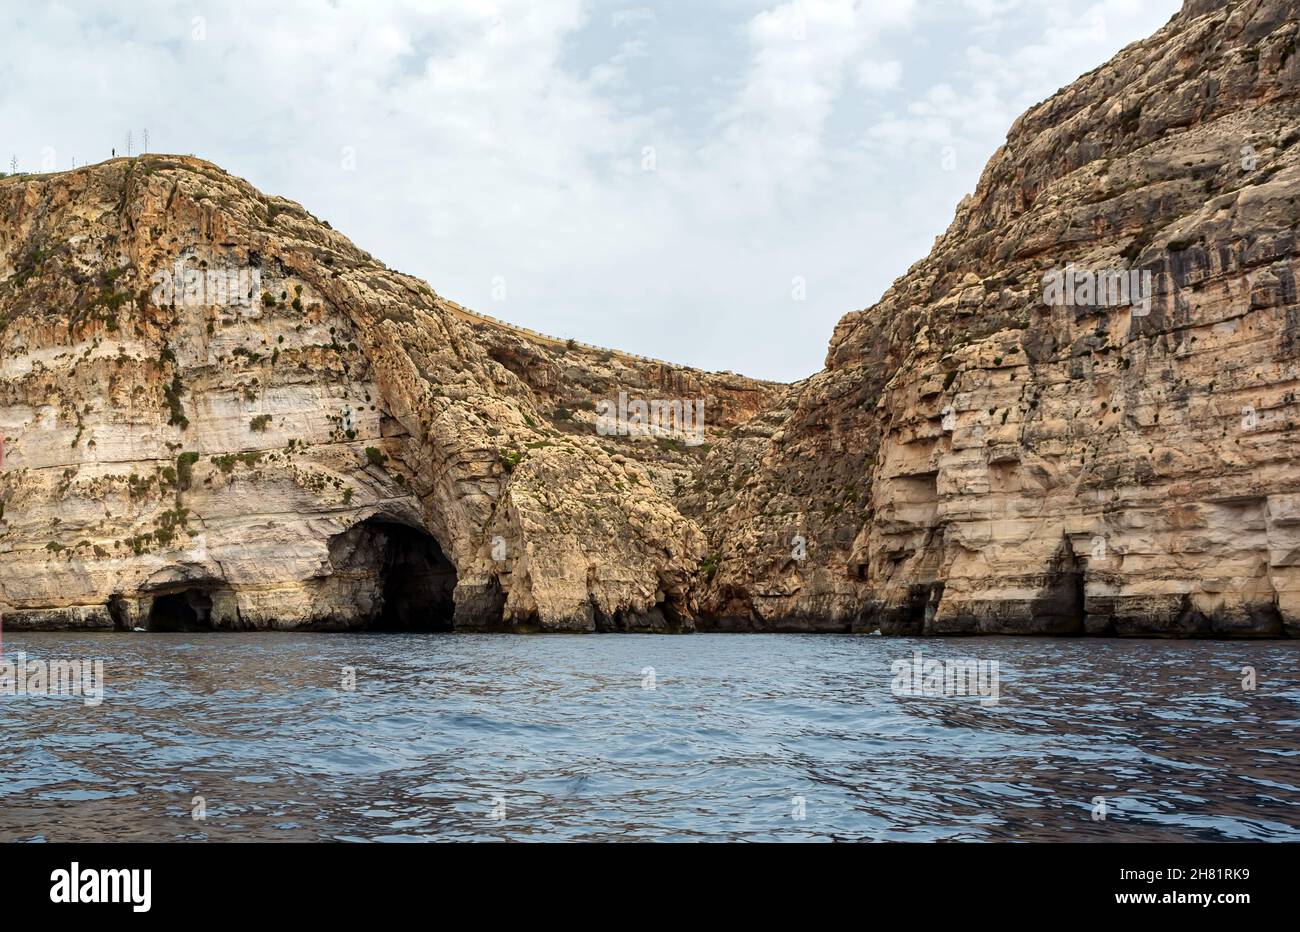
[
  {"x": 226, "y": 452},
  {"x": 343, "y": 448},
  {"x": 973, "y": 460}
]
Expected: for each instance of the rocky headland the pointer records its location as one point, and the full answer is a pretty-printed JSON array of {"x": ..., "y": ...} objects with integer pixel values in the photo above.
[{"x": 318, "y": 441}]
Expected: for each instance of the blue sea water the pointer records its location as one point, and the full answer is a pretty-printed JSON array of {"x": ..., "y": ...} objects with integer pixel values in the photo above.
[{"x": 749, "y": 736}]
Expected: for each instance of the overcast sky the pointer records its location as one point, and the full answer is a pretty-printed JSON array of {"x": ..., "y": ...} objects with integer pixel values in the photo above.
[{"x": 714, "y": 183}]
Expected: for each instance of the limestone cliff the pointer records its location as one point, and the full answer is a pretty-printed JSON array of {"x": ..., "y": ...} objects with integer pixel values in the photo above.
[
  {"x": 977, "y": 459},
  {"x": 337, "y": 446},
  {"x": 297, "y": 455}
]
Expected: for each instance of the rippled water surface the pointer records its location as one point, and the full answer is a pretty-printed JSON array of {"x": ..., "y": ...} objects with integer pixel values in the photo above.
[{"x": 560, "y": 735}]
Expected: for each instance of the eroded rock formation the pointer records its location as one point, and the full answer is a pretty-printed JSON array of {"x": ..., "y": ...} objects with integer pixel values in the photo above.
[
  {"x": 347, "y": 449},
  {"x": 227, "y": 453},
  {"x": 975, "y": 460}
]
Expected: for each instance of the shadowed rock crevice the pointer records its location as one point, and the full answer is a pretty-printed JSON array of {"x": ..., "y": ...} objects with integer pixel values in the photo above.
[
  {"x": 1059, "y": 608},
  {"x": 120, "y": 613}
]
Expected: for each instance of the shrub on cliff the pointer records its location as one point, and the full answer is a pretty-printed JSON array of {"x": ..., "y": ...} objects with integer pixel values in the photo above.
[
  {"x": 172, "y": 395},
  {"x": 510, "y": 459},
  {"x": 185, "y": 469}
]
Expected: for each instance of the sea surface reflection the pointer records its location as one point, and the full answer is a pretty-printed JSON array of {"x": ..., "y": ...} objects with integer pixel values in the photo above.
[{"x": 558, "y": 737}]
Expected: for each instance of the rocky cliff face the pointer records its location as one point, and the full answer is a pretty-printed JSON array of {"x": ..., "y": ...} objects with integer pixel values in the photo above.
[
  {"x": 977, "y": 459},
  {"x": 997, "y": 446},
  {"x": 308, "y": 435}
]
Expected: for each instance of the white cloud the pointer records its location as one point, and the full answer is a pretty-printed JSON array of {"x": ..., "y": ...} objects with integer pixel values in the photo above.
[
  {"x": 879, "y": 76},
  {"x": 632, "y": 16}
]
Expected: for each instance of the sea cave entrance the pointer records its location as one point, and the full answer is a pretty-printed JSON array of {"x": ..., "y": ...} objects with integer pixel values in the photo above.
[
  {"x": 187, "y": 610},
  {"x": 1059, "y": 607},
  {"x": 395, "y": 577}
]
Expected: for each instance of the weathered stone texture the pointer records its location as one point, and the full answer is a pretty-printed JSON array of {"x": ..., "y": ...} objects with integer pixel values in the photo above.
[
  {"x": 156, "y": 447},
  {"x": 973, "y": 460}
]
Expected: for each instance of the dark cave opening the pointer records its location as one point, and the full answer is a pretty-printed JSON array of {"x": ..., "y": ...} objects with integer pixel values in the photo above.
[
  {"x": 187, "y": 610},
  {"x": 1059, "y": 607},
  {"x": 409, "y": 579}
]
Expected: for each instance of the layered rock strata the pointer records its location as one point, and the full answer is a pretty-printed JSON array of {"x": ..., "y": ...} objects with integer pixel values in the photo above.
[
  {"x": 977, "y": 459},
  {"x": 267, "y": 456},
  {"x": 1008, "y": 442}
]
